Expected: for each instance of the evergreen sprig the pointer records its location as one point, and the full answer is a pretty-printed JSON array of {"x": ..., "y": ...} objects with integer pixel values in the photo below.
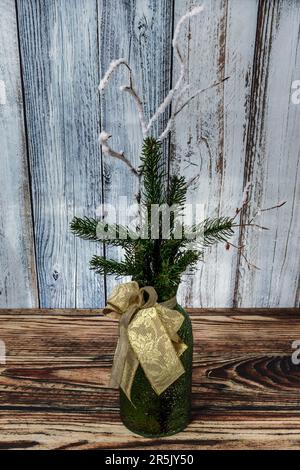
[
  {"x": 153, "y": 172},
  {"x": 84, "y": 228},
  {"x": 217, "y": 230},
  {"x": 156, "y": 262},
  {"x": 177, "y": 190},
  {"x": 112, "y": 234},
  {"x": 105, "y": 266},
  {"x": 211, "y": 231}
]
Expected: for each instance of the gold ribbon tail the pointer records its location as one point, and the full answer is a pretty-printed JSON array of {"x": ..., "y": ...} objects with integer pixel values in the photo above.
[{"x": 121, "y": 351}]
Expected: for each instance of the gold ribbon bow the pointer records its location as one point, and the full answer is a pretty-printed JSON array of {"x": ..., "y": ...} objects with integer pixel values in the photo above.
[{"x": 147, "y": 336}]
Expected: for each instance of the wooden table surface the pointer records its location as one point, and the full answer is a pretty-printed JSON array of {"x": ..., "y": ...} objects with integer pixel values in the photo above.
[{"x": 54, "y": 394}]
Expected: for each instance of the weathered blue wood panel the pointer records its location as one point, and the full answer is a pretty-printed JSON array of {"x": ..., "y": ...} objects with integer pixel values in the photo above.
[
  {"x": 272, "y": 162},
  {"x": 246, "y": 129},
  {"x": 59, "y": 45},
  {"x": 210, "y": 134},
  {"x": 18, "y": 287},
  {"x": 141, "y": 32}
]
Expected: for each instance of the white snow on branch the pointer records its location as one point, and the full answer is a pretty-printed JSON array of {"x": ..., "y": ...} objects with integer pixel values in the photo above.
[
  {"x": 128, "y": 88},
  {"x": 139, "y": 106},
  {"x": 175, "y": 94},
  {"x": 107, "y": 150},
  {"x": 112, "y": 67},
  {"x": 172, "y": 93},
  {"x": 195, "y": 11}
]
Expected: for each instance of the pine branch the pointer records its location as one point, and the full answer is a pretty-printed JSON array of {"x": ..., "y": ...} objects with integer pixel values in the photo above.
[
  {"x": 184, "y": 260},
  {"x": 211, "y": 231},
  {"x": 153, "y": 172},
  {"x": 171, "y": 272},
  {"x": 177, "y": 190},
  {"x": 169, "y": 248},
  {"x": 84, "y": 228},
  {"x": 113, "y": 234},
  {"x": 108, "y": 266},
  {"x": 156, "y": 262},
  {"x": 217, "y": 230}
]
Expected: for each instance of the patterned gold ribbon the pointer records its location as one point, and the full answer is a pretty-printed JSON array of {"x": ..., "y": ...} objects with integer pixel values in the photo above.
[{"x": 147, "y": 336}]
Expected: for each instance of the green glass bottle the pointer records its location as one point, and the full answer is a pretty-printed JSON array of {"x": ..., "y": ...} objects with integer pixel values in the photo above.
[{"x": 151, "y": 415}]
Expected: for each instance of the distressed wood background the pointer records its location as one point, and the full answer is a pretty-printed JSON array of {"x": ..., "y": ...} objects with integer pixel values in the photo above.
[{"x": 52, "y": 55}]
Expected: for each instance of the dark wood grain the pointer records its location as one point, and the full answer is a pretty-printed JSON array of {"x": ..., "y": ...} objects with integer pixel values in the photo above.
[{"x": 54, "y": 393}]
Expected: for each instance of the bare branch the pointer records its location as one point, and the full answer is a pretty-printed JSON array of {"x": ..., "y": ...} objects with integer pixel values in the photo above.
[
  {"x": 280, "y": 204},
  {"x": 250, "y": 224},
  {"x": 192, "y": 180},
  {"x": 245, "y": 200},
  {"x": 198, "y": 92},
  {"x": 259, "y": 211},
  {"x": 176, "y": 111},
  {"x": 240, "y": 250}
]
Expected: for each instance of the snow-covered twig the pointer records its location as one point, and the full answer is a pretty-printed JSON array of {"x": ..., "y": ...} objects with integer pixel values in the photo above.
[
  {"x": 128, "y": 88},
  {"x": 139, "y": 105},
  {"x": 175, "y": 94},
  {"x": 195, "y": 11},
  {"x": 104, "y": 136},
  {"x": 107, "y": 150},
  {"x": 112, "y": 67},
  {"x": 172, "y": 93}
]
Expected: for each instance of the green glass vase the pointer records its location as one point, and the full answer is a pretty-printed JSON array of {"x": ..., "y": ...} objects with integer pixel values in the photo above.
[{"x": 151, "y": 415}]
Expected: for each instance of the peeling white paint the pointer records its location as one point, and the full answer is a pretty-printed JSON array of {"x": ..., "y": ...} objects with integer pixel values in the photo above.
[{"x": 2, "y": 92}]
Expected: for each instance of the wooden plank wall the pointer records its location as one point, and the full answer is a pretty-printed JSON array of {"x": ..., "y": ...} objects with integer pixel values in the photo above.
[
  {"x": 140, "y": 31},
  {"x": 246, "y": 129},
  {"x": 59, "y": 46},
  {"x": 18, "y": 282},
  {"x": 210, "y": 134},
  {"x": 272, "y": 160}
]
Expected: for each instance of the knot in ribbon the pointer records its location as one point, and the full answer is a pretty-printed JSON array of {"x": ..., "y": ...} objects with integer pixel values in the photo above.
[{"x": 147, "y": 337}]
